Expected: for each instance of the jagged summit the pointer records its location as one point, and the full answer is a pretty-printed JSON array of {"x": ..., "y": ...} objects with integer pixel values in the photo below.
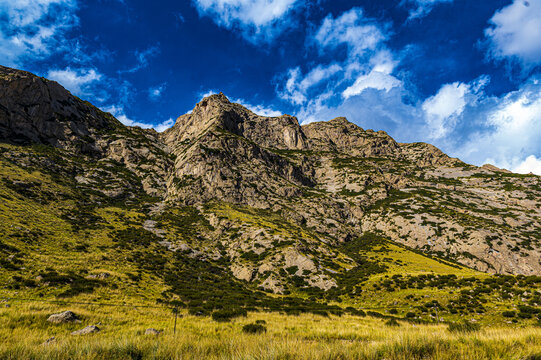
[{"x": 217, "y": 112}]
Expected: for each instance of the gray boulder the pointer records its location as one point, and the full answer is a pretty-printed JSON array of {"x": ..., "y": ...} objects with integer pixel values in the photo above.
[
  {"x": 152, "y": 331},
  {"x": 63, "y": 317},
  {"x": 87, "y": 330}
]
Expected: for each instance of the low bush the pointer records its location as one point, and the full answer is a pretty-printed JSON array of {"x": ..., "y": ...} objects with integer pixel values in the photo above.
[
  {"x": 392, "y": 322},
  {"x": 254, "y": 328},
  {"x": 410, "y": 315},
  {"x": 228, "y": 314},
  {"x": 508, "y": 314}
]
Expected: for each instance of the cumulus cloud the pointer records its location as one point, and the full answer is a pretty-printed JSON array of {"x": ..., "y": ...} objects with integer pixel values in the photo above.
[
  {"x": 164, "y": 125},
  {"x": 256, "y": 18},
  {"x": 297, "y": 85},
  {"x": 423, "y": 7},
  {"x": 259, "y": 109},
  {"x": 33, "y": 29},
  {"x": 362, "y": 84},
  {"x": 374, "y": 80},
  {"x": 118, "y": 112},
  {"x": 352, "y": 28},
  {"x": 443, "y": 109},
  {"x": 530, "y": 165},
  {"x": 510, "y": 129},
  {"x": 515, "y": 32},
  {"x": 368, "y": 64},
  {"x": 77, "y": 81}
]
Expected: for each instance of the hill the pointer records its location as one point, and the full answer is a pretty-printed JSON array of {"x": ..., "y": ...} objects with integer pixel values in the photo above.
[{"x": 228, "y": 209}]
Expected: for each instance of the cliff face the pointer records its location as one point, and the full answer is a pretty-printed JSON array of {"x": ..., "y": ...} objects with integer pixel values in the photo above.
[
  {"x": 35, "y": 110},
  {"x": 289, "y": 196}
]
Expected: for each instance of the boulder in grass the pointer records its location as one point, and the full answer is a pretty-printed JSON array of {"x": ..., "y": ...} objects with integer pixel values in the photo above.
[
  {"x": 152, "y": 331},
  {"x": 87, "y": 330},
  {"x": 63, "y": 317}
]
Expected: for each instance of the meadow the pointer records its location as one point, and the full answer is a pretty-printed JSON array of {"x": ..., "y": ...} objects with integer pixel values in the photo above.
[{"x": 24, "y": 331}]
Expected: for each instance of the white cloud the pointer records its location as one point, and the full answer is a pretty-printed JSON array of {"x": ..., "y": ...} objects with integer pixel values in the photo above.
[
  {"x": 142, "y": 59},
  {"x": 296, "y": 86},
  {"x": 505, "y": 131},
  {"x": 368, "y": 64},
  {"x": 207, "y": 94},
  {"x": 530, "y": 165},
  {"x": 76, "y": 81},
  {"x": 352, "y": 28},
  {"x": 118, "y": 112},
  {"x": 423, "y": 7},
  {"x": 363, "y": 86},
  {"x": 154, "y": 93},
  {"x": 516, "y": 32},
  {"x": 442, "y": 110},
  {"x": 257, "y": 18},
  {"x": 257, "y": 109},
  {"x": 164, "y": 125},
  {"x": 32, "y": 29},
  {"x": 374, "y": 80}
]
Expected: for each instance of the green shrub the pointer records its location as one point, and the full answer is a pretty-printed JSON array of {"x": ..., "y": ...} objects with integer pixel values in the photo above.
[
  {"x": 508, "y": 314},
  {"x": 392, "y": 322},
  {"x": 254, "y": 328},
  {"x": 228, "y": 314}
]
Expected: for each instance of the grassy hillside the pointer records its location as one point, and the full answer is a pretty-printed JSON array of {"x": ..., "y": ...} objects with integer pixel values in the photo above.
[{"x": 62, "y": 240}]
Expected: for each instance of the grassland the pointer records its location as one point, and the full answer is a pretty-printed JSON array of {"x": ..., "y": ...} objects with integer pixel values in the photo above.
[
  {"x": 58, "y": 238},
  {"x": 25, "y": 329}
]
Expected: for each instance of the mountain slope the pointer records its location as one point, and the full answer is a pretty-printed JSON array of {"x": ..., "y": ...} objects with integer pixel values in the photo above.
[{"x": 229, "y": 202}]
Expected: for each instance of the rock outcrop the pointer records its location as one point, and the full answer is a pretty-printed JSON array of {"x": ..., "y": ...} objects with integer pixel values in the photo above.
[
  {"x": 87, "y": 330},
  {"x": 63, "y": 317}
]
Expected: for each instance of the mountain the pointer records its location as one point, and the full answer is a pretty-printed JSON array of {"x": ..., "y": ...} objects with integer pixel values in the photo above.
[{"x": 229, "y": 202}]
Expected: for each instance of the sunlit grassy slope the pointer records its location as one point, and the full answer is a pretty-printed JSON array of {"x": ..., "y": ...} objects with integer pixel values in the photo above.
[
  {"x": 305, "y": 336},
  {"x": 60, "y": 241}
]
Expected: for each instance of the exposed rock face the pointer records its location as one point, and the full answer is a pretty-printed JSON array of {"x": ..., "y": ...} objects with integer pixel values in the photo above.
[
  {"x": 216, "y": 111},
  {"x": 221, "y": 153},
  {"x": 339, "y": 135},
  {"x": 37, "y": 110},
  {"x": 281, "y": 198},
  {"x": 63, "y": 317},
  {"x": 87, "y": 330}
]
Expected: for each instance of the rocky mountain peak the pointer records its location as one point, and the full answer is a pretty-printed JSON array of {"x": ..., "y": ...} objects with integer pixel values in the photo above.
[
  {"x": 217, "y": 112},
  {"x": 341, "y": 135},
  {"x": 36, "y": 110}
]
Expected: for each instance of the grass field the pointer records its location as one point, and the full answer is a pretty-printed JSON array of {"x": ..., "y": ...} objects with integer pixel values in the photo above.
[
  {"x": 24, "y": 330},
  {"x": 57, "y": 244}
]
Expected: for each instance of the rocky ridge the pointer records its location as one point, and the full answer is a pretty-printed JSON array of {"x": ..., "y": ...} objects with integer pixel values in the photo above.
[{"x": 277, "y": 199}]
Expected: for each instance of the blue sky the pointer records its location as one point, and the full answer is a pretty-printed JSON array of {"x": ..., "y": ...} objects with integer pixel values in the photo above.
[{"x": 463, "y": 75}]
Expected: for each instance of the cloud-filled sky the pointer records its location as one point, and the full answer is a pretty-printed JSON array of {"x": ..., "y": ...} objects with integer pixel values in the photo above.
[{"x": 463, "y": 75}]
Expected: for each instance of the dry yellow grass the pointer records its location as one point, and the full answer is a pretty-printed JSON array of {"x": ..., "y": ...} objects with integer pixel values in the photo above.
[{"x": 24, "y": 329}]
